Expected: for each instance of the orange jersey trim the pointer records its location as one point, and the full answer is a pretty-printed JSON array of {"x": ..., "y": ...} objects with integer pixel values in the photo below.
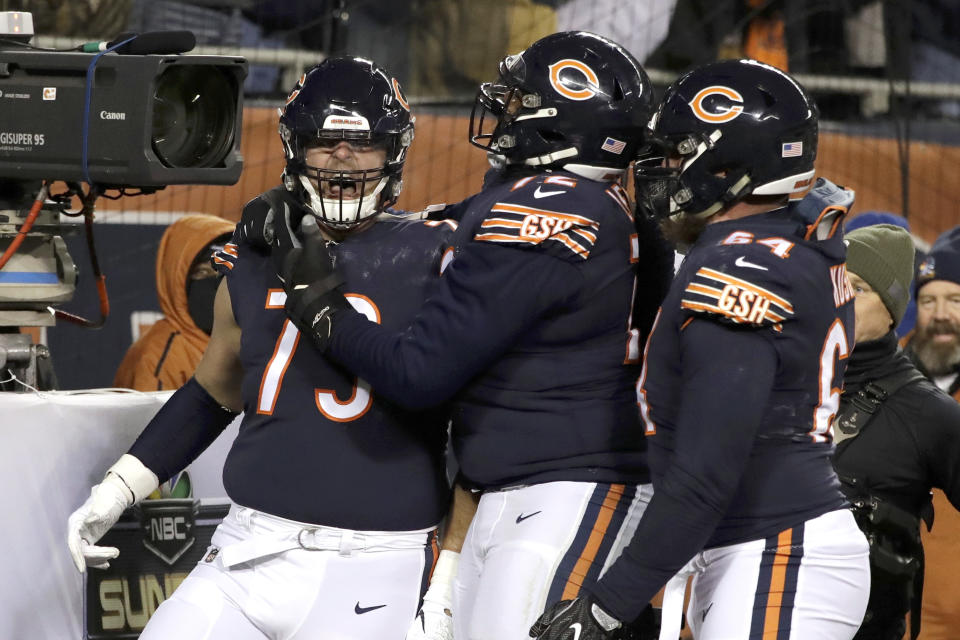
[
  {"x": 505, "y": 207},
  {"x": 746, "y": 284}
]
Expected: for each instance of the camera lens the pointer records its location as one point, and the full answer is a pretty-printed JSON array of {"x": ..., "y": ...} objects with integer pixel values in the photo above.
[{"x": 194, "y": 116}]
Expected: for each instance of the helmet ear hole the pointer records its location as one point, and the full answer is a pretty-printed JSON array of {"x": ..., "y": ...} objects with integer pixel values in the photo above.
[
  {"x": 768, "y": 98},
  {"x": 617, "y": 90}
]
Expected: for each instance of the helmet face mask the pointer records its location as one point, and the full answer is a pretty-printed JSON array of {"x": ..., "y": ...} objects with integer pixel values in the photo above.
[
  {"x": 572, "y": 100},
  {"x": 345, "y": 130},
  {"x": 734, "y": 129},
  {"x": 502, "y": 104},
  {"x": 345, "y": 191}
]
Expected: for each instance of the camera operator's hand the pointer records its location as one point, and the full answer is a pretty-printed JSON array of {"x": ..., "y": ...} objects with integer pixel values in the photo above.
[{"x": 311, "y": 283}]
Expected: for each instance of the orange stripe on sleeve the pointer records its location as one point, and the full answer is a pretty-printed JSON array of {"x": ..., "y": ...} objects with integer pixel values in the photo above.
[
  {"x": 745, "y": 284},
  {"x": 499, "y": 237},
  {"x": 570, "y": 244},
  {"x": 505, "y": 207},
  {"x": 693, "y": 287}
]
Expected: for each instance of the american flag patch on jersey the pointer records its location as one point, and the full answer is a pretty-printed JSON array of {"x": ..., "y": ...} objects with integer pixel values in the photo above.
[
  {"x": 734, "y": 299},
  {"x": 563, "y": 234},
  {"x": 613, "y": 145},
  {"x": 791, "y": 149},
  {"x": 224, "y": 259}
]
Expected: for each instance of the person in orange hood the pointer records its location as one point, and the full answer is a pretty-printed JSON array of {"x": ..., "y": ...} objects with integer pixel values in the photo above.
[{"x": 166, "y": 355}]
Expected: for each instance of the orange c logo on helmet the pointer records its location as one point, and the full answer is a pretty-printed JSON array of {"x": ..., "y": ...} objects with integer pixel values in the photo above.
[
  {"x": 397, "y": 92},
  {"x": 296, "y": 88},
  {"x": 591, "y": 88},
  {"x": 723, "y": 114}
]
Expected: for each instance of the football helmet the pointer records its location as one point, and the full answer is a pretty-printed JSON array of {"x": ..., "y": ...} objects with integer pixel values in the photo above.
[
  {"x": 352, "y": 99},
  {"x": 736, "y": 128},
  {"x": 572, "y": 100}
]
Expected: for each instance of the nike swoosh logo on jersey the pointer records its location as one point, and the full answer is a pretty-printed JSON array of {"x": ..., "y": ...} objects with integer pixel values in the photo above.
[
  {"x": 521, "y": 517},
  {"x": 545, "y": 194},
  {"x": 740, "y": 262},
  {"x": 361, "y": 610},
  {"x": 576, "y": 630}
]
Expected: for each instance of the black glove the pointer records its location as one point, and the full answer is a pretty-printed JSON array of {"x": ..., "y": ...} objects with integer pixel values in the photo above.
[
  {"x": 266, "y": 217},
  {"x": 256, "y": 224},
  {"x": 311, "y": 282},
  {"x": 578, "y": 619}
]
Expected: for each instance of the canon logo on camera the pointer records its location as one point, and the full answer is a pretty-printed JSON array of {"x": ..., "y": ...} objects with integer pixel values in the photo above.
[{"x": 113, "y": 115}]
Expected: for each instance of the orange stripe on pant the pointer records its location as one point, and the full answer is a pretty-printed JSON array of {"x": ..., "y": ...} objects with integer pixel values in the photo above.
[
  {"x": 575, "y": 581},
  {"x": 778, "y": 579}
]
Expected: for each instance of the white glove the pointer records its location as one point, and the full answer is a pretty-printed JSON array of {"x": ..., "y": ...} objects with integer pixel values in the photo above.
[
  {"x": 126, "y": 482},
  {"x": 434, "y": 621}
]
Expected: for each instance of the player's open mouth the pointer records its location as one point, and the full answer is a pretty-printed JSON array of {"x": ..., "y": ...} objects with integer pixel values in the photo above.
[{"x": 343, "y": 188}]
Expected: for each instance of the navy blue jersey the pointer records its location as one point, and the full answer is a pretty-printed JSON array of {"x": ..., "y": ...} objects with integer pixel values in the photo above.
[
  {"x": 740, "y": 384},
  {"x": 531, "y": 323},
  {"x": 316, "y": 443},
  {"x": 758, "y": 274}
]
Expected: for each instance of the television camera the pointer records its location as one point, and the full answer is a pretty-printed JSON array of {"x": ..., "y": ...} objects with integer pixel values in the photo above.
[{"x": 122, "y": 117}]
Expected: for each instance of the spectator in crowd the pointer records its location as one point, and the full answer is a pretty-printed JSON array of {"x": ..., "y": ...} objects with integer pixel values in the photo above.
[
  {"x": 897, "y": 434},
  {"x": 934, "y": 347},
  {"x": 453, "y": 41},
  {"x": 640, "y": 27},
  {"x": 920, "y": 248},
  {"x": 85, "y": 18},
  {"x": 166, "y": 355}
]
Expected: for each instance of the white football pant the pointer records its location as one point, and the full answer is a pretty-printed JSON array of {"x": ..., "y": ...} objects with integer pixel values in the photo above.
[
  {"x": 267, "y": 577},
  {"x": 809, "y": 582},
  {"x": 533, "y": 545}
]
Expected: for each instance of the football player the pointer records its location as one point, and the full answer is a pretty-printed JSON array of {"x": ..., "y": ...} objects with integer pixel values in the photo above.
[
  {"x": 336, "y": 492},
  {"x": 534, "y": 329},
  {"x": 741, "y": 378}
]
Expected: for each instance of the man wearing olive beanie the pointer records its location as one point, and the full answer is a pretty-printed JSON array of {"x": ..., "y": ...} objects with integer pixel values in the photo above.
[
  {"x": 897, "y": 434},
  {"x": 882, "y": 257}
]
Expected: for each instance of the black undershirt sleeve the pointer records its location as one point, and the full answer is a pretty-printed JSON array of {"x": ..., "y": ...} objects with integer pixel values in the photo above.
[
  {"x": 487, "y": 298},
  {"x": 727, "y": 379},
  {"x": 940, "y": 435},
  {"x": 183, "y": 428}
]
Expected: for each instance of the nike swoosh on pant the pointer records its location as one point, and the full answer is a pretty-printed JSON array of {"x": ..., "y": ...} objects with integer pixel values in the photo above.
[{"x": 361, "y": 610}]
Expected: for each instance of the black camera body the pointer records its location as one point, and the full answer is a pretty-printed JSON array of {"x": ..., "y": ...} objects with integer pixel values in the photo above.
[{"x": 120, "y": 120}]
